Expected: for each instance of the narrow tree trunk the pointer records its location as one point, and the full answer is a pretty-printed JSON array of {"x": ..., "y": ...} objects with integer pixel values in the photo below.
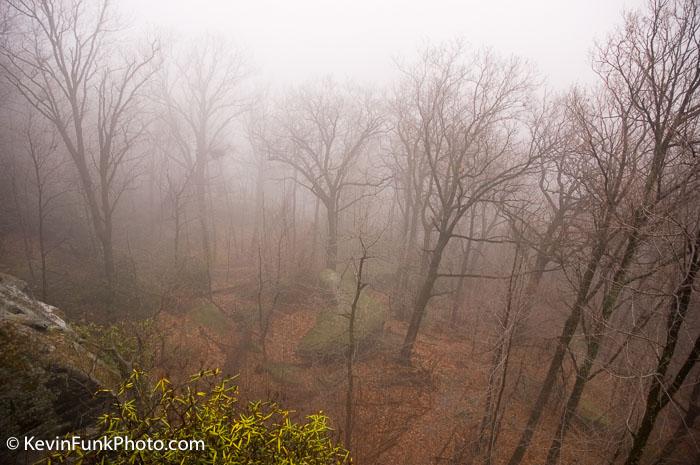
[
  {"x": 41, "y": 217},
  {"x": 105, "y": 234},
  {"x": 657, "y": 399},
  {"x": 314, "y": 246},
  {"x": 22, "y": 223},
  {"x": 350, "y": 360},
  {"x": 262, "y": 320},
  {"x": 43, "y": 252},
  {"x": 294, "y": 215},
  {"x": 499, "y": 371},
  {"x": 202, "y": 217},
  {"x": 176, "y": 239},
  {"x": 259, "y": 199},
  {"x": 425, "y": 256},
  {"x": 332, "y": 246}
]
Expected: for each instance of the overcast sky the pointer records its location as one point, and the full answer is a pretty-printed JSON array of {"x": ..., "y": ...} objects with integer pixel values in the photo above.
[{"x": 291, "y": 41}]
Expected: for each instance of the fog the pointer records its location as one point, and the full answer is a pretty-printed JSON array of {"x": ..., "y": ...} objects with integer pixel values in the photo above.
[
  {"x": 294, "y": 41},
  {"x": 326, "y": 233}
]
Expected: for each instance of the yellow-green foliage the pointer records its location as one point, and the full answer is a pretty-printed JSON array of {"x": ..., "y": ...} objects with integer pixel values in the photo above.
[{"x": 207, "y": 408}]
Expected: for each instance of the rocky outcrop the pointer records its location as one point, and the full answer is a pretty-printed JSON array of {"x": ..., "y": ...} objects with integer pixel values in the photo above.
[
  {"x": 49, "y": 381},
  {"x": 17, "y": 307}
]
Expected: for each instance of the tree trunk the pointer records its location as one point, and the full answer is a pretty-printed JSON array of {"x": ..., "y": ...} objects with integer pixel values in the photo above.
[
  {"x": 22, "y": 224},
  {"x": 564, "y": 340},
  {"x": 656, "y": 401},
  {"x": 350, "y": 360},
  {"x": 499, "y": 370},
  {"x": 332, "y": 247},
  {"x": 108, "y": 255},
  {"x": 42, "y": 253},
  {"x": 314, "y": 246},
  {"x": 681, "y": 432},
  {"x": 423, "y": 297},
  {"x": 405, "y": 266},
  {"x": 609, "y": 304},
  {"x": 425, "y": 256},
  {"x": 466, "y": 259},
  {"x": 106, "y": 234},
  {"x": 659, "y": 394},
  {"x": 201, "y": 199}
]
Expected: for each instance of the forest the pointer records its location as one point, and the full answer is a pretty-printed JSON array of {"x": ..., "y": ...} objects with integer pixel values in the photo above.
[{"x": 459, "y": 266}]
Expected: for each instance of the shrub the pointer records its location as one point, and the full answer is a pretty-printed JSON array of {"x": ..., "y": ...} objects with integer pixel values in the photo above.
[{"x": 258, "y": 433}]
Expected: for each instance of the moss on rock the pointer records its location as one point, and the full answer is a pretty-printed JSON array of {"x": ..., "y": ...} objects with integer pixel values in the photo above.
[{"x": 328, "y": 339}]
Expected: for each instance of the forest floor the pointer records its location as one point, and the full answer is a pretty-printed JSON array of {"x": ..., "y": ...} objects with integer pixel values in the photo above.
[
  {"x": 403, "y": 414},
  {"x": 412, "y": 415}
]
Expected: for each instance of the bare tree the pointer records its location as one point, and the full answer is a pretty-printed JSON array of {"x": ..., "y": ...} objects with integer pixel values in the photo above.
[
  {"x": 202, "y": 96},
  {"x": 683, "y": 430},
  {"x": 412, "y": 187},
  {"x": 466, "y": 114},
  {"x": 604, "y": 160},
  {"x": 45, "y": 168},
  {"x": 360, "y": 285},
  {"x": 661, "y": 390},
  {"x": 56, "y": 61},
  {"x": 323, "y": 133},
  {"x": 670, "y": 59},
  {"x": 651, "y": 74}
]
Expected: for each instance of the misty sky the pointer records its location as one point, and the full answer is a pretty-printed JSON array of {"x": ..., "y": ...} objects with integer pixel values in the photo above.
[{"x": 290, "y": 41}]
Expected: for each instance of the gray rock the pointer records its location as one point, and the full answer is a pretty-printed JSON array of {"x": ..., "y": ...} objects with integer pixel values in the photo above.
[
  {"x": 48, "y": 379},
  {"x": 18, "y": 306}
]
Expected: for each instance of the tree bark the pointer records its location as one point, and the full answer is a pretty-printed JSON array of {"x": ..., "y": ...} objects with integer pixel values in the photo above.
[
  {"x": 332, "y": 246},
  {"x": 660, "y": 394},
  {"x": 681, "y": 432},
  {"x": 567, "y": 334},
  {"x": 466, "y": 260},
  {"x": 593, "y": 346},
  {"x": 423, "y": 297}
]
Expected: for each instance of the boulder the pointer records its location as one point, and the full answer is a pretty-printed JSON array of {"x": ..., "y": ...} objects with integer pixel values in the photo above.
[
  {"x": 328, "y": 339},
  {"x": 329, "y": 280},
  {"x": 50, "y": 383}
]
